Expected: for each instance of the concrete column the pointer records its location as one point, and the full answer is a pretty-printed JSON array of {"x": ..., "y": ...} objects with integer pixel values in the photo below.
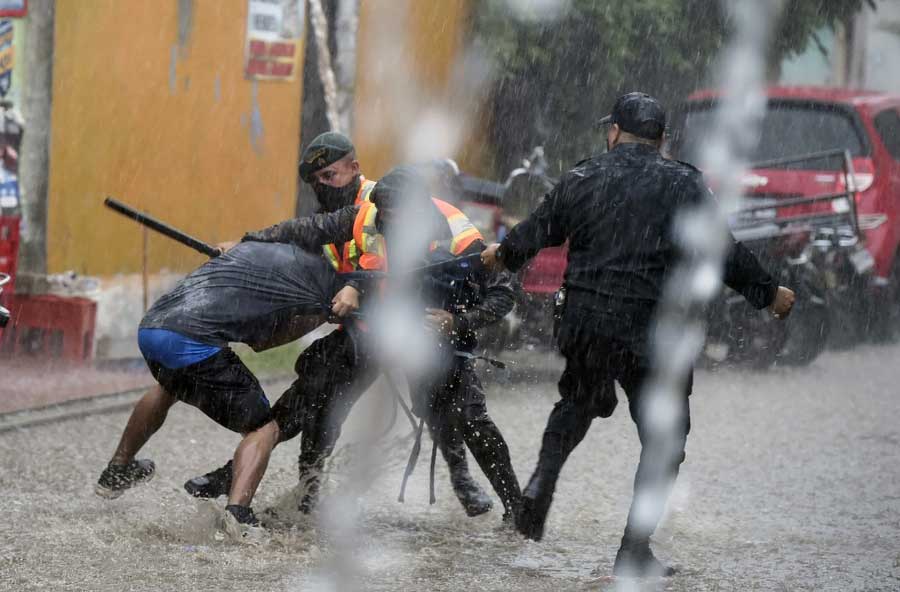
[
  {"x": 857, "y": 45},
  {"x": 840, "y": 56},
  {"x": 34, "y": 164}
]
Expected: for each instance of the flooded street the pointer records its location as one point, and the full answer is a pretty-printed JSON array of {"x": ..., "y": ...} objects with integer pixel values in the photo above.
[
  {"x": 161, "y": 208},
  {"x": 792, "y": 482}
]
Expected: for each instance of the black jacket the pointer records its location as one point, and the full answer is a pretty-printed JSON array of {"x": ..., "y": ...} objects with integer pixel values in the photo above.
[
  {"x": 617, "y": 211},
  {"x": 312, "y": 232}
]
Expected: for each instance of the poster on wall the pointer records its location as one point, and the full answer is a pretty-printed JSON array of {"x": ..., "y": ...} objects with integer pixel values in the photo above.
[
  {"x": 9, "y": 189},
  {"x": 13, "y": 8},
  {"x": 6, "y": 57},
  {"x": 274, "y": 34}
]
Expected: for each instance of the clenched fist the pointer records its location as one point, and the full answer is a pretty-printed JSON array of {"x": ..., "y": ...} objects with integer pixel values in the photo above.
[
  {"x": 345, "y": 302},
  {"x": 489, "y": 257},
  {"x": 783, "y": 303}
]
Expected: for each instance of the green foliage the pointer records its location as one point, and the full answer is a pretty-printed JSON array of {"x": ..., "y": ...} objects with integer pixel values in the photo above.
[
  {"x": 277, "y": 362},
  {"x": 555, "y": 78},
  {"x": 800, "y": 19}
]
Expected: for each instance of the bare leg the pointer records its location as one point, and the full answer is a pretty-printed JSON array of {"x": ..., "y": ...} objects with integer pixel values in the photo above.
[
  {"x": 250, "y": 461},
  {"x": 147, "y": 417}
]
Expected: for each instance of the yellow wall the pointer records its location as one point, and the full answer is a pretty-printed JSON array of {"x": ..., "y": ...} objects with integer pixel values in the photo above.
[
  {"x": 165, "y": 128},
  {"x": 434, "y": 42}
]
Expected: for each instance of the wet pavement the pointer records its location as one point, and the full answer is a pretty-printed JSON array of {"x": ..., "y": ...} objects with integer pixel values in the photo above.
[
  {"x": 792, "y": 482},
  {"x": 28, "y": 384}
]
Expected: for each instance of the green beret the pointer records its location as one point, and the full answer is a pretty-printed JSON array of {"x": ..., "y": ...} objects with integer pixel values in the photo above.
[{"x": 325, "y": 149}]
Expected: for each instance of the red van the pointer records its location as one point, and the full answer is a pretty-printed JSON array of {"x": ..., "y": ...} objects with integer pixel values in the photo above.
[{"x": 802, "y": 120}]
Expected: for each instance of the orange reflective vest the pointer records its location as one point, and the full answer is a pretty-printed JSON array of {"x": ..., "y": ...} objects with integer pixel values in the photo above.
[
  {"x": 346, "y": 259},
  {"x": 371, "y": 244},
  {"x": 463, "y": 231}
]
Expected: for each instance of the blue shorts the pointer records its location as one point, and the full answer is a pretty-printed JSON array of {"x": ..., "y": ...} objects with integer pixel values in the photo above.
[
  {"x": 219, "y": 385},
  {"x": 172, "y": 349}
]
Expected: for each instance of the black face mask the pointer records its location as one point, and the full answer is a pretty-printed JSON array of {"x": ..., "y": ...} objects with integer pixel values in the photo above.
[{"x": 332, "y": 199}]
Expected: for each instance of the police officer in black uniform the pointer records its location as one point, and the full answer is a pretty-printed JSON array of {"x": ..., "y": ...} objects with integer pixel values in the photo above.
[{"x": 616, "y": 211}]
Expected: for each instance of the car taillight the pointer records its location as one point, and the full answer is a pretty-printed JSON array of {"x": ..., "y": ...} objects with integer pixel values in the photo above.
[
  {"x": 864, "y": 176},
  {"x": 863, "y": 181}
]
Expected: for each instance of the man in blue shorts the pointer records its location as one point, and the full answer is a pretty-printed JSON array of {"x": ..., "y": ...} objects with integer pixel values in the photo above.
[{"x": 260, "y": 294}]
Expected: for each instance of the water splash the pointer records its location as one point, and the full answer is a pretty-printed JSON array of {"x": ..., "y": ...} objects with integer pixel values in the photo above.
[{"x": 703, "y": 233}]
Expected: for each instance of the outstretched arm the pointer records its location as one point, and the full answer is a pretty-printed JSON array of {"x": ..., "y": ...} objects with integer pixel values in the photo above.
[
  {"x": 745, "y": 275},
  {"x": 311, "y": 232},
  {"x": 743, "y": 272},
  {"x": 544, "y": 227}
]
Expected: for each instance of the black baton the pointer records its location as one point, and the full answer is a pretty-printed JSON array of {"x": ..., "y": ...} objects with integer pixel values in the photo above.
[{"x": 162, "y": 227}]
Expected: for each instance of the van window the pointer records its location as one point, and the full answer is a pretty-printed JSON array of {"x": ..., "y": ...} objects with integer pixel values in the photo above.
[
  {"x": 787, "y": 130},
  {"x": 887, "y": 123}
]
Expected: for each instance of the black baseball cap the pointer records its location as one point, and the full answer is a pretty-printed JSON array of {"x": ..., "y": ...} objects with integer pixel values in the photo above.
[
  {"x": 401, "y": 182},
  {"x": 639, "y": 114},
  {"x": 324, "y": 150}
]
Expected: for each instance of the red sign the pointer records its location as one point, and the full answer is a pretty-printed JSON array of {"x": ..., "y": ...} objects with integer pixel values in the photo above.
[
  {"x": 13, "y": 8},
  {"x": 274, "y": 29}
]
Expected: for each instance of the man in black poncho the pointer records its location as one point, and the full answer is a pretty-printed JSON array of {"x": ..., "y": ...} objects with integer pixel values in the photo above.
[
  {"x": 334, "y": 371},
  {"x": 259, "y": 294},
  {"x": 450, "y": 400}
]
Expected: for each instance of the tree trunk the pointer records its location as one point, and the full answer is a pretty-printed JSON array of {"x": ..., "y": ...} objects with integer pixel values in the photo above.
[
  {"x": 345, "y": 30},
  {"x": 320, "y": 34}
]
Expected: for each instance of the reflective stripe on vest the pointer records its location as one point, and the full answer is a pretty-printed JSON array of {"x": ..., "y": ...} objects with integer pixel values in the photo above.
[
  {"x": 332, "y": 256},
  {"x": 463, "y": 231},
  {"x": 365, "y": 191},
  {"x": 349, "y": 260},
  {"x": 369, "y": 243}
]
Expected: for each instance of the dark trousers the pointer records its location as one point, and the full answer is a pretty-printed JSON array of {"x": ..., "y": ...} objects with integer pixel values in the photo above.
[
  {"x": 452, "y": 402},
  {"x": 220, "y": 386},
  {"x": 331, "y": 376},
  {"x": 587, "y": 391}
]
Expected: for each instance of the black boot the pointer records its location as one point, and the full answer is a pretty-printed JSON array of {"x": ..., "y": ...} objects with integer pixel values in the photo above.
[
  {"x": 538, "y": 494},
  {"x": 636, "y": 560},
  {"x": 536, "y": 500},
  {"x": 473, "y": 498},
  {"x": 309, "y": 477},
  {"x": 566, "y": 427},
  {"x": 212, "y": 484},
  {"x": 490, "y": 451}
]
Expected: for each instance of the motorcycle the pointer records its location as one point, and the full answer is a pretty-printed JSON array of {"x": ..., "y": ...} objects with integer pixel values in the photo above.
[
  {"x": 510, "y": 202},
  {"x": 820, "y": 253},
  {"x": 739, "y": 334}
]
